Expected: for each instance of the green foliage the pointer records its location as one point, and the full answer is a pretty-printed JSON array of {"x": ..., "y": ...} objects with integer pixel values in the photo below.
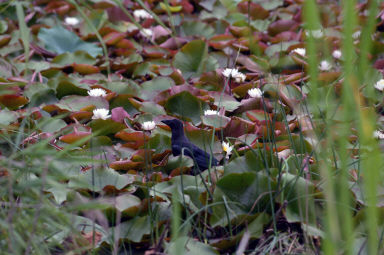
[
  {"x": 186, "y": 105},
  {"x": 60, "y": 40},
  {"x": 78, "y": 57},
  {"x": 193, "y": 59},
  {"x": 302, "y": 173}
]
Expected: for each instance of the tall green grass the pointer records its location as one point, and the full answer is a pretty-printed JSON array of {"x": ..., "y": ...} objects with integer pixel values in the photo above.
[
  {"x": 341, "y": 226},
  {"x": 36, "y": 224}
]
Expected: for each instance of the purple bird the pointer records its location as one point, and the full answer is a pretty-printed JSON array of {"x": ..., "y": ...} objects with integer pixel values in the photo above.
[{"x": 179, "y": 141}]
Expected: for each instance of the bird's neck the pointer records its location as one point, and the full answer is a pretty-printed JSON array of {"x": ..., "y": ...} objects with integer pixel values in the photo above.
[{"x": 178, "y": 135}]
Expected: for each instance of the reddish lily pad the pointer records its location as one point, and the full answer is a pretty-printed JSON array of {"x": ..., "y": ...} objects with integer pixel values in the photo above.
[
  {"x": 4, "y": 40},
  {"x": 76, "y": 136},
  {"x": 281, "y": 26},
  {"x": 113, "y": 38},
  {"x": 85, "y": 69},
  {"x": 126, "y": 165},
  {"x": 237, "y": 127},
  {"x": 13, "y": 101},
  {"x": 134, "y": 139}
]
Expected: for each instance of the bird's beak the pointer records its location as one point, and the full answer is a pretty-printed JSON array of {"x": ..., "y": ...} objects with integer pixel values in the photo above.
[{"x": 166, "y": 122}]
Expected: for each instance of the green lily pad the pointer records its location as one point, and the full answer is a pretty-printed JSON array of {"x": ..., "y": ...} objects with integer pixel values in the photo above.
[
  {"x": 216, "y": 121},
  {"x": 189, "y": 189},
  {"x": 193, "y": 59},
  {"x": 122, "y": 202},
  {"x": 151, "y": 107},
  {"x": 149, "y": 89},
  {"x": 190, "y": 247},
  {"x": 51, "y": 125},
  {"x": 223, "y": 100},
  {"x": 186, "y": 105},
  {"x": 106, "y": 127},
  {"x": 76, "y": 103},
  {"x": 160, "y": 143},
  {"x": 3, "y": 26},
  {"x": 78, "y": 57},
  {"x": 130, "y": 87},
  {"x": 158, "y": 84},
  {"x": 236, "y": 195},
  {"x": 60, "y": 40},
  {"x": 177, "y": 161},
  {"x": 39, "y": 94},
  {"x": 299, "y": 193},
  {"x": 246, "y": 188},
  {"x": 7, "y": 117},
  {"x": 250, "y": 162},
  {"x": 279, "y": 47},
  {"x": 203, "y": 139},
  {"x": 67, "y": 86},
  {"x": 123, "y": 101},
  {"x": 196, "y": 28},
  {"x": 37, "y": 66},
  {"x": 136, "y": 228},
  {"x": 99, "y": 179}
]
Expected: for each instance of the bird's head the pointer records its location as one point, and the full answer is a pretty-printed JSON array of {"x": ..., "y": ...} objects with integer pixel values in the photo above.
[{"x": 174, "y": 124}]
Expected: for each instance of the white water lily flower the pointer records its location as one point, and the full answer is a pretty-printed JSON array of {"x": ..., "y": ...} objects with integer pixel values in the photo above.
[
  {"x": 71, "y": 21},
  {"x": 142, "y": 14},
  {"x": 235, "y": 74},
  {"x": 228, "y": 72},
  {"x": 356, "y": 35},
  {"x": 336, "y": 54},
  {"x": 101, "y": 113},
  {"x": 380, "y": 85},
  {"x": 240, "y": 77},
  {"x": 227, "y": 148},
  {"x": 318, "y": 33},
  {"x": 290, "y": 117},
  {"x": 131, "y": 27},
  {"x": 146, "y": 32},
  {"x": 325, "y": 65},
  {"x": 97, "y": 92},
  {"x": 210, "y": 112},
  {"x": 149, "y": 125},
  {"x": 255, "y": 92},
  {"x": 284, "y": 154},
  {"x": 378, "y": 134},
  {"x": 299, "y": 51}
]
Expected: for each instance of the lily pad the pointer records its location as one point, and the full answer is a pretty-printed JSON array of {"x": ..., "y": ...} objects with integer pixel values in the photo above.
[
  {"x": 196, "y": 28},
  {"x": 216, "y": 121},
  {"x": 136, "y": 228},
  {"x": 193, "y": 59},
  {"x": 98, "y": 179},
  {"x": 60, "y": 40},
  {"x": 7, "y": 117},
  {"x": 77, "y": 103},
  {"x": 299, "y": 193},
  {"x": 106, "y": 127},
  {"x": 240, "y": 194},
  {"x": 186, "y": 105},
  {"x": 39, "y": 94},
  {"x": 78, "y": 57},
  {"x": 190, "y": 247}
]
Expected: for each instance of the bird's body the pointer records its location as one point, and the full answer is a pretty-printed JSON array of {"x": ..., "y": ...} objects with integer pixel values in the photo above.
[{"x": 180, "y": 142}]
